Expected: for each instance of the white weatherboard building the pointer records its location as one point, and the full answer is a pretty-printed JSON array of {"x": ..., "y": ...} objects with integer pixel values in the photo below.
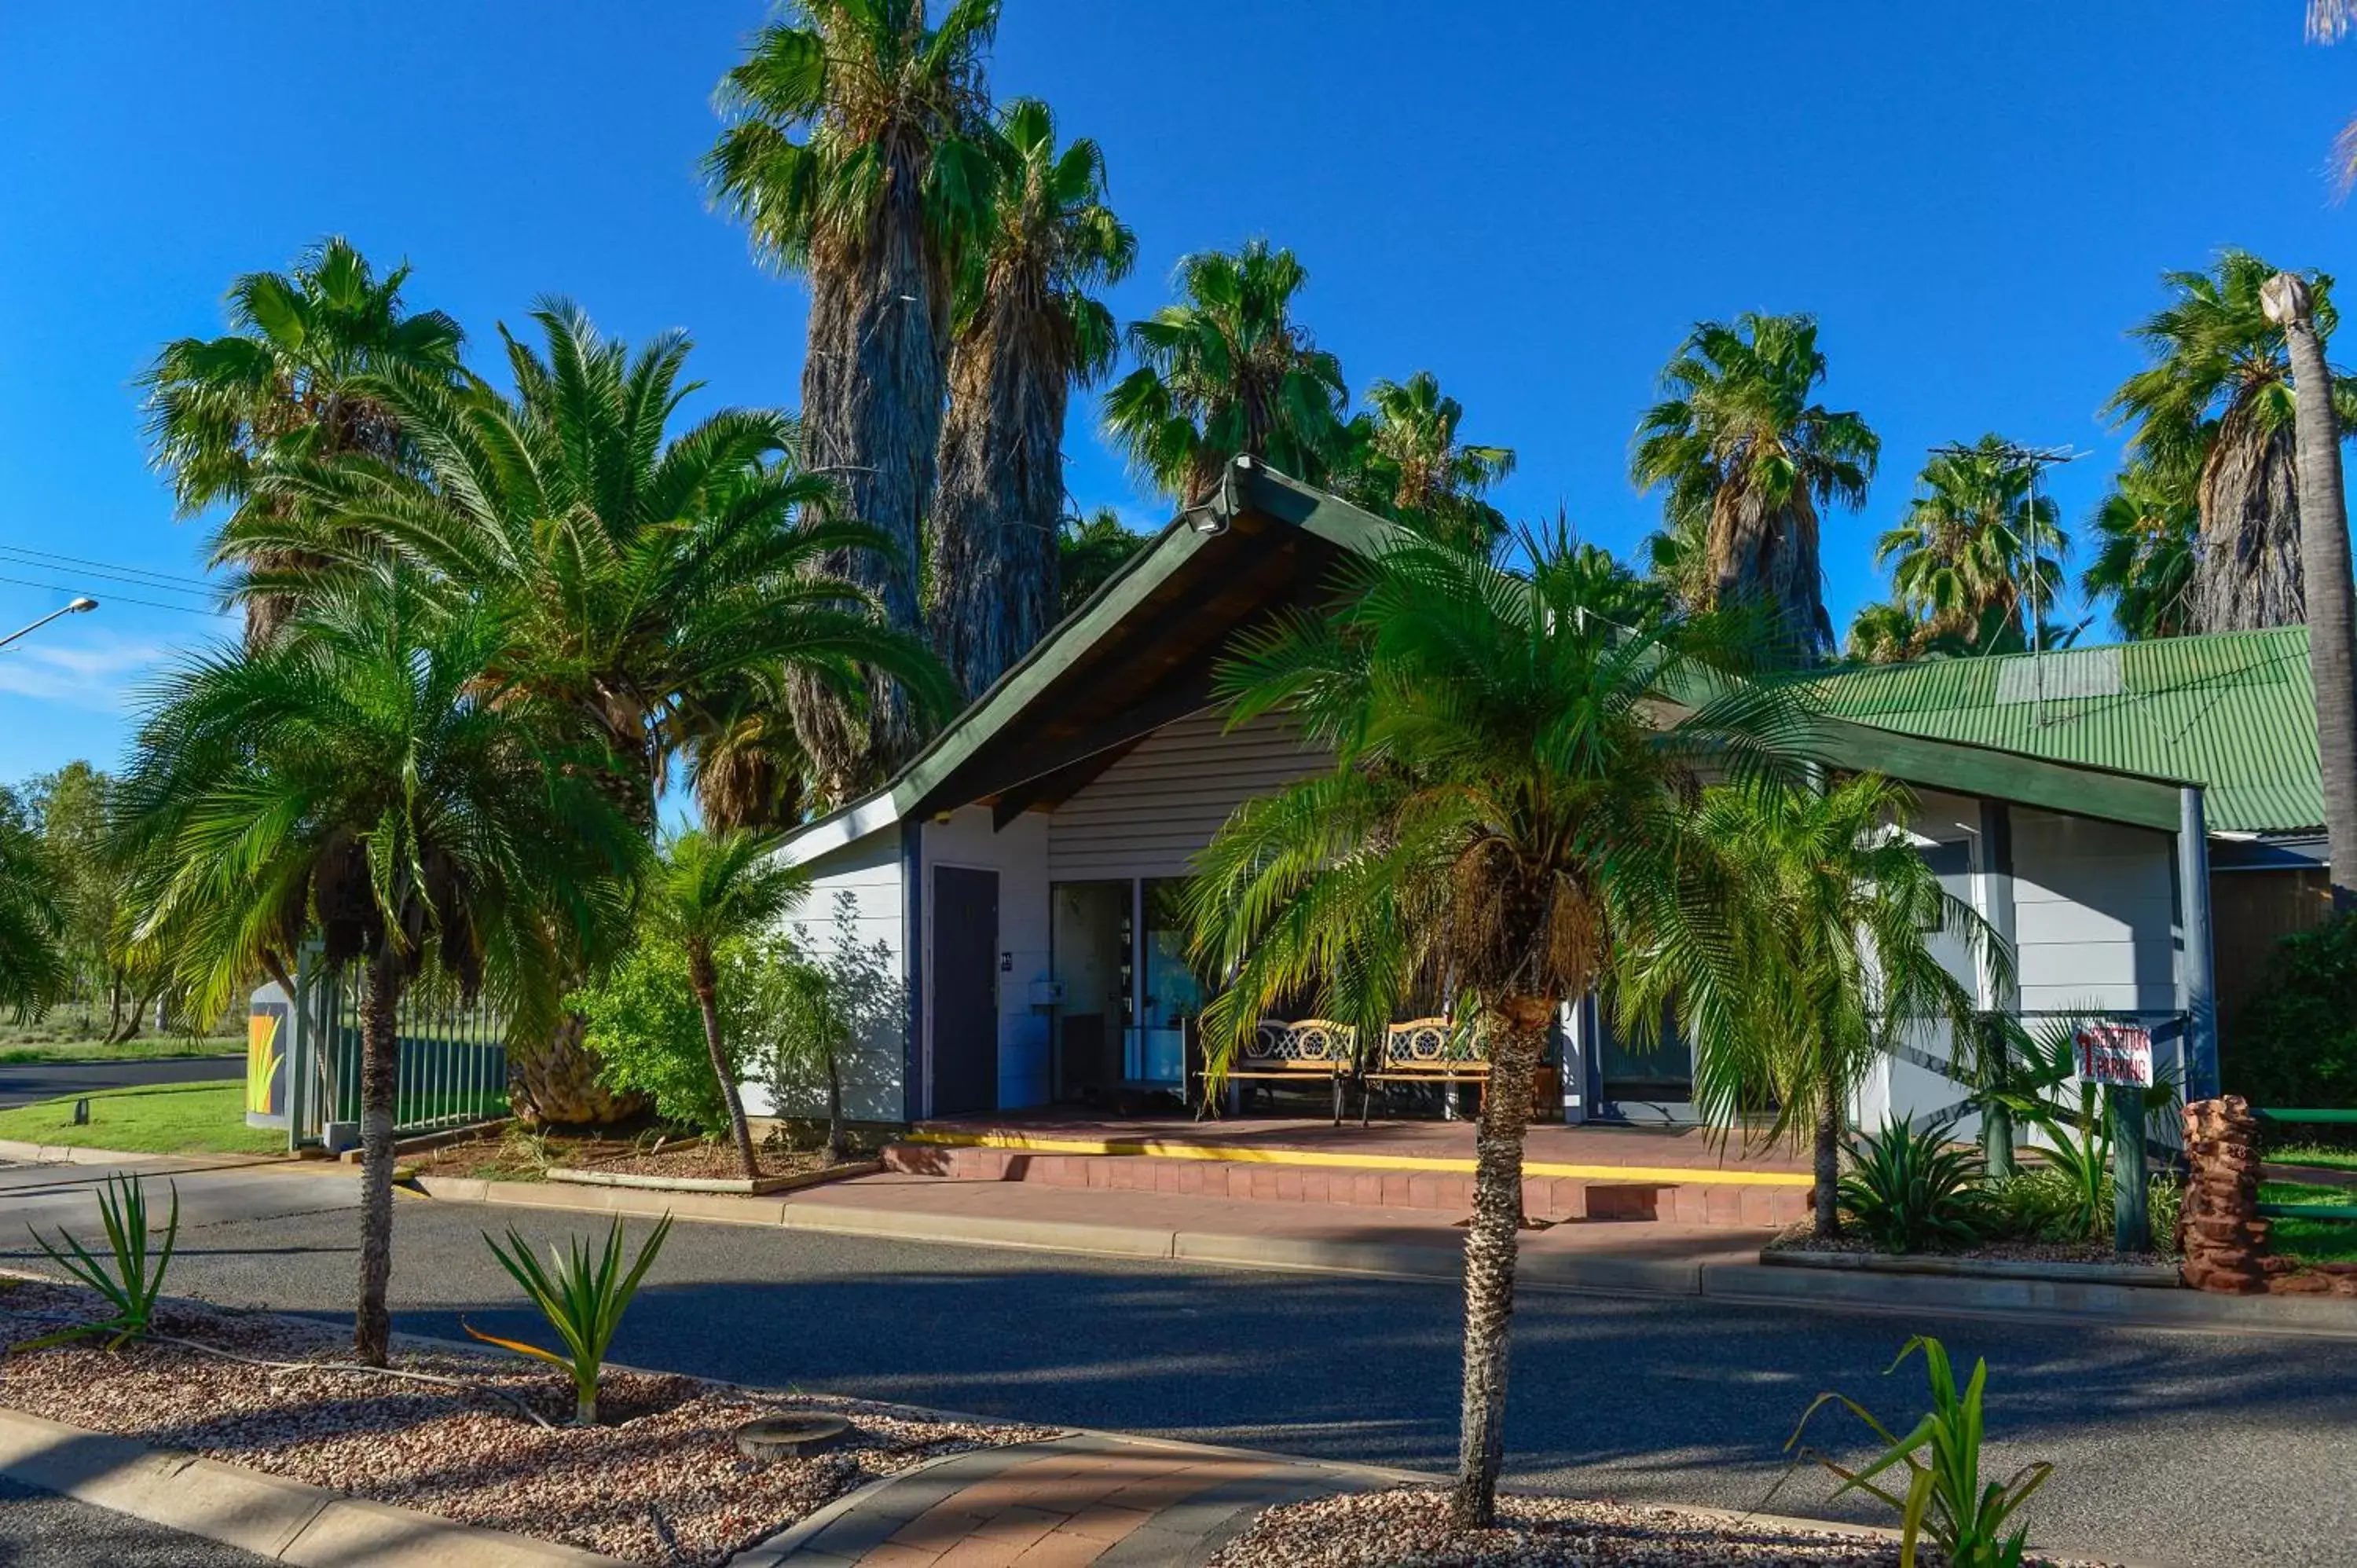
[{"x": 1022, "y": 868}]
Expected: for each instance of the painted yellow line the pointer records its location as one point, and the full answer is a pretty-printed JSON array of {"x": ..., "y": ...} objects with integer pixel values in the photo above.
[{"x": 1254, "y": 1155}]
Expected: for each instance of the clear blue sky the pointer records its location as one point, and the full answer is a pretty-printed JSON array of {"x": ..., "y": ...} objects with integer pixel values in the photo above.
[{"x": 1532, "y": 201}]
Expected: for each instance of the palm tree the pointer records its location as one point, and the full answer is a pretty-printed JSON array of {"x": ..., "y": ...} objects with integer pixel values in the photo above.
[
  {"x": 2218, "y": 399},
  {"x": 372, "y": 775},
  {"x": 1509, "y": 784},
  {"x": 1227, "y": 371},
  {"x": 283, "y": 383},
  {"x": 1886, "y": 633},
  {"x": 746, "y": 766},
  {"x": 1973, "y": 545},
  {"x": 1033, "y": 330},
  {"x": 2327, "y": 23},
  {"x": 855, "y": 150},
  {"x": 1088, "y": 551},
  {"x": 1749, "y": 463},
  {"x": 1412, "y": 467},
  {"x": 712, "y": 889},
  {"x": 1821, "y": 905},
  {"x": 2145, "y": 529},
  {"x": 33, "y": 962}
]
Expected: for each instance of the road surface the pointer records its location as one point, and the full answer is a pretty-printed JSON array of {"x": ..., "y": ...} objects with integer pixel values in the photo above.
[{"x": 22, "y": 1083}]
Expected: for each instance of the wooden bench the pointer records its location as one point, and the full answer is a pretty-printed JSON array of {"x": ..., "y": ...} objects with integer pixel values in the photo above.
[
  {"x": 1422, "y": 1051},
  {"x": 1304, "y": 1052}
]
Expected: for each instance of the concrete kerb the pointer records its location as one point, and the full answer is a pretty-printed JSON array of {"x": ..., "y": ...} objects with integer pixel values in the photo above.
[
  {"x": 269, "y": 1516},
  {"x": 72, "y": 1155}
]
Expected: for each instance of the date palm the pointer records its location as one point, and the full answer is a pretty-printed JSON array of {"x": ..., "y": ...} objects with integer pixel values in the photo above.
[
  {"x": 1033, "y": 330},
  {"x": 1748, "y": 465},
  {"x": 2218, "y": 399},
  {"x": 1973, "y": 545},
  {"x": 1227, "y": 371},
  {"x": 1414, "y": 465},
  {"x": 374, "y": 775},
  {"x": 2144, "y": 532},
  {"x": 855, "y": 150},
  {"x": 284, "y": 382},
  {"x": 1509, "y": 784}
]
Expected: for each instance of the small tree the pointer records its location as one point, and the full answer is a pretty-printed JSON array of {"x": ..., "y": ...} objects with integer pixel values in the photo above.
[{"x": 826, "y": 1006}]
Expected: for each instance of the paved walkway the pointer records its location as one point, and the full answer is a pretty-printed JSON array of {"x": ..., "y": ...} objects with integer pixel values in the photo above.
[{"x": 1086, "y": 1498}]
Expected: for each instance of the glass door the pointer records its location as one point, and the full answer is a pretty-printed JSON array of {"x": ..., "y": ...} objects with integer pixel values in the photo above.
[
  {"x": 1090, "y": 928},
  {"x": 1172, "y": 993}
]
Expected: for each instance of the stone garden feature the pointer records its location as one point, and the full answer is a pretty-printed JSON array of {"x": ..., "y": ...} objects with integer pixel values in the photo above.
[{"x": 2223, "y": 1239}]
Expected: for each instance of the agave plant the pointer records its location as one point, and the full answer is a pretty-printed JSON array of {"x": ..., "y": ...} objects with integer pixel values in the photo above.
[
  {"x": 583, "y": 1296},
  {"x": 1909, "y": 1191},
  {"x": 1945, "y": 1499},
  {"x": 130, "y": 1277}
]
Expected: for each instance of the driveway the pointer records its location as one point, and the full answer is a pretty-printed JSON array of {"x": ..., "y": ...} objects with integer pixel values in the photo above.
[{"x": 23, "y": 1082}]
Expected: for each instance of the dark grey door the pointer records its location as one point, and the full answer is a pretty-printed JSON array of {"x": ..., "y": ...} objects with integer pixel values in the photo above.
[{"x": 966, "y": 991}]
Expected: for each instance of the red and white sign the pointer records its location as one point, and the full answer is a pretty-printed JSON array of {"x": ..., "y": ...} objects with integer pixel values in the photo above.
[{"x": 2115, "y": 1053}]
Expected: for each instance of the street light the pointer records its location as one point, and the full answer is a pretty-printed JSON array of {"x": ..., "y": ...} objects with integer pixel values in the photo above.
[{"x": 76, "y": 607}]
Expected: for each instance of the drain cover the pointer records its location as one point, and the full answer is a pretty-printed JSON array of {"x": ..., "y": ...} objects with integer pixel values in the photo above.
[{"x": 790, "y": 1436}]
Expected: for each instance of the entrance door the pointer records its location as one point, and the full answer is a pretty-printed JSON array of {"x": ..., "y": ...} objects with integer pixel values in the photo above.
[{"x": 966, "y": 991}]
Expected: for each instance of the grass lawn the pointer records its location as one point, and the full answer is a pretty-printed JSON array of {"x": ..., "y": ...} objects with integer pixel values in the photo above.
[
  {"x": 2323, "y": 1155},
  {"x": 2312, "y": 1241},
  {"x": 155, "y": 1118},
  {"x": 69, "y": 1034}
]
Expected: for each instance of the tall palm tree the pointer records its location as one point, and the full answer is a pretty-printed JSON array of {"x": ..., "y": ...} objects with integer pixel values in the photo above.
[
  {"x": 283, "y": 383},
  {"x": 2145, "y": 529},
  {"x": 1088, "y": 551},
  {"x": 1973, "y": 546},
  {"x": 710, "y": 889},
  {"x": 34, "y": 967},
  {"x": 2327, "y": 23},
  {"x": 747, "y": 769},
  {"x": 855, "y": 150},
  {"x": 2218, "y": 398},
  {"x": 1227, "y": 371},
  {"x": 374, "y": 775},
  {"x": 1887, "y": 633},
  {"x": 1504, "y": 792},
  {"x": 1824, "y": 907},
  {"x": 1033, "y": 330},
  {"x": 1749, "y": 463},
  {"x": 1413, "y": 466}
]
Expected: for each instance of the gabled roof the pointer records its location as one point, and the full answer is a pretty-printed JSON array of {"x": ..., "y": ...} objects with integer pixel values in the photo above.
[{"x": 2234, "y": 712}]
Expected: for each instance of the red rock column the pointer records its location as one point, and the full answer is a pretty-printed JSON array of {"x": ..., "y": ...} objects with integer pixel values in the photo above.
[{"x": 2223, "y": 1239}]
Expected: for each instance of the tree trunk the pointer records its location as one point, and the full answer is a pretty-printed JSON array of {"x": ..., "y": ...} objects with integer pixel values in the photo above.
[
  {"x": 2331, "y": 615},
  {"x": 555, "y": 1082},
  {"x": 2247, "y": 572},
  {"x": 1828, "y": 1140},
  {"x": 837, "y": 1145},
  {"x": 706, "y": 984},
  {"x": 380, "y": 1081},
  {"x": 1517, "y": 1037}
]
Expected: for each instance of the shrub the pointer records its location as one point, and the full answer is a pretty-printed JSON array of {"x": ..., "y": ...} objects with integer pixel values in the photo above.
[
  {"x": 1909, "y": 1191},
  {"x": 582, "y": 1297},
  {"x": 2296, "y": 1042},
  {"x": 130, "y": 1277},
  {"x": 642, "y": 1021},
  {"x": 2165, "y": 1201},
  {"x": 2042, "y": 1204}
]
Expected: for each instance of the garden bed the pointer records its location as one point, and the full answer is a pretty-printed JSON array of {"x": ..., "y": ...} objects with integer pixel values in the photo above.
[
  {"x": 1798, "y": 1238},
  {"x": 514, "y": 1155},
  {"x": 659, "y": 1482},
  {"x": 1410, "y": 1525}
]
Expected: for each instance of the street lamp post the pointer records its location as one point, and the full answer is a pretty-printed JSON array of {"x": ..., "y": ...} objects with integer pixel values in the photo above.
[{"x": 76, "y": 607}]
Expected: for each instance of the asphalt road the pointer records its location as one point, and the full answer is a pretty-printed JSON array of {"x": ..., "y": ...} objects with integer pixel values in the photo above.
[
  {"x": 41, "y": 1531},
  {"x": 25, "y": 1082}
]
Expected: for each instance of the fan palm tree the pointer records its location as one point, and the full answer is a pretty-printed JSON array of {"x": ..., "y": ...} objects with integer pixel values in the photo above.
[
  {"x": 1824, "y": 907},
  {"x": 1747, "y": 463},
  {"x": 1088, "y": 551},
  {"x": 2218, "y": 399},
  {"x": 32, "y": 961},
  {"x": 2327, "y": 23},
  {"x": 1227, "y": 371},
  {"x": 856, "y": 151},
  {"x": 374, "y": 775},
  {"x": 283, "y": 383},
  {"x": 2145, "y": 532},
  {"x": 1034, "y": 331},
  {"x": 1412, "y": 467},
  {"x": 1973, "y": 546},
  {"x": 710, "y": 889},
  {"x": 1507, "y": 784},
  {"x": 1886, "y": 633},
  {"x": 745, "y": 765}
]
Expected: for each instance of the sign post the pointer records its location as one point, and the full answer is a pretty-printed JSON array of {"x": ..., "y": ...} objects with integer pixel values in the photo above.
[{"x": 2119, "y": 1057}]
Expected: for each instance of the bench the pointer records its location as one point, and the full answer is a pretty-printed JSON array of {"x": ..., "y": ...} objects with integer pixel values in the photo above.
[
  {"x": 1420, "y": 1051},
  {"x": 1305, "y": 1051}
]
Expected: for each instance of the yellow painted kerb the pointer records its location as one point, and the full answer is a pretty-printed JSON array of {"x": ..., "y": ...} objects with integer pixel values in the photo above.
[{"x": 1251, "y": 1154}]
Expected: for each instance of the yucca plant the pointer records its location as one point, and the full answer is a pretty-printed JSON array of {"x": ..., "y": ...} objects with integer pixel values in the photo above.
[
  {"x": 583, "y": 1296},
  {"x": 1909, "y": 1191},
  {"x": 1945, "y": 1499},
  {"x": 130, "y": 1277}
]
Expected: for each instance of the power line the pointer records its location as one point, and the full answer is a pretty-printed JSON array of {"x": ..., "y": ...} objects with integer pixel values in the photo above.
[
  {"x": 14, "y": 559},
  {"x": 115, "y": 598},
  {"x": 158, "y": 578}
]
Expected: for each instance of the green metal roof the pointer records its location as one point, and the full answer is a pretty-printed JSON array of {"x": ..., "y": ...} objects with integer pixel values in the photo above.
[{"x": 2234, "y": 712}]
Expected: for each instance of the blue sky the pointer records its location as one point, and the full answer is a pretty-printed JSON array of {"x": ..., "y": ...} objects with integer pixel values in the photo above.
[{"x": 1532, "y": 201}]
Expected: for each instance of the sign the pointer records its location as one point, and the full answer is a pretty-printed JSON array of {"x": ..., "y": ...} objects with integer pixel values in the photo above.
[{"x": 2115, "y": 1054}]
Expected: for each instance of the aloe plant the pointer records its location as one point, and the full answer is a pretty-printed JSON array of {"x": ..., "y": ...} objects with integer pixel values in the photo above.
[
  {"x": 583, "y": 1295},
  {"x": 1910, "y": 1192},
  {"x": 130, "y": 1276},
  {"x": 1945, "y": 1499}
]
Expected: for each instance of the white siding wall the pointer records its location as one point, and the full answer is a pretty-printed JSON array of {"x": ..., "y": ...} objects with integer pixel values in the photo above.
[
  {"x": 2094, "y": 912},
  {"x": 1148, "y": 813},
  {"x": 869, "y": 869},
  {"x": 1019, "y": 854},
  {"x": 1893, "y": 1085}
]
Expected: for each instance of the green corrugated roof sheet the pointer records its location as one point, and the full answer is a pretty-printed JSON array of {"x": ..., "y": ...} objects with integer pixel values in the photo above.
[{"x": 2234, "y": 711}]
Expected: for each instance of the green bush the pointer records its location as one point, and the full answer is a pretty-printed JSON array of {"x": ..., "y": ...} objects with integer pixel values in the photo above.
[
  {"x": 644, "y": 1026},
  {"x": 2043, "y": 1204},
  {"x": 2295, "y": 1045},
  {"x": 1910, "y": 1192}
]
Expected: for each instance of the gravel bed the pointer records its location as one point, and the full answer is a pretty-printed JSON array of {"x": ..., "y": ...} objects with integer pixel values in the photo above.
[
  {"x": 1408, "y": 1528},
  {"x": 658, "y": 1481}
]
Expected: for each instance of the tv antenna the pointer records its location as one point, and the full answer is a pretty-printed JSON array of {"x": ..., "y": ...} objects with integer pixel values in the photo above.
[{"x": 2032, "y": 460}]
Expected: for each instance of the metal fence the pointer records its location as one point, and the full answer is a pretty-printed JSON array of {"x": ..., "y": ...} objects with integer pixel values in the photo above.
[{"x": 451, "y": 1067}]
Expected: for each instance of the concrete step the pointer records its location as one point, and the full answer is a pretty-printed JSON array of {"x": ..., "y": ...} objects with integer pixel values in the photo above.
[{"x": 1699, "y": 1202}]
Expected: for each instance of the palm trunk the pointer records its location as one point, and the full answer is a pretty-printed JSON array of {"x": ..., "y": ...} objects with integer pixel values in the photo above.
[
  {"x": 2248, "y": 574},
  {"x": 2331, "y": 615},
  {"x": 380, "y": 1081},
  {"x": 555, "y": 1082},
  {"x": 707, "y": 983},
  {"x": 1828, "y": 1139},
  {"x": 1518, "y": 1035},
  {"x": 837, "y": 1145}
]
